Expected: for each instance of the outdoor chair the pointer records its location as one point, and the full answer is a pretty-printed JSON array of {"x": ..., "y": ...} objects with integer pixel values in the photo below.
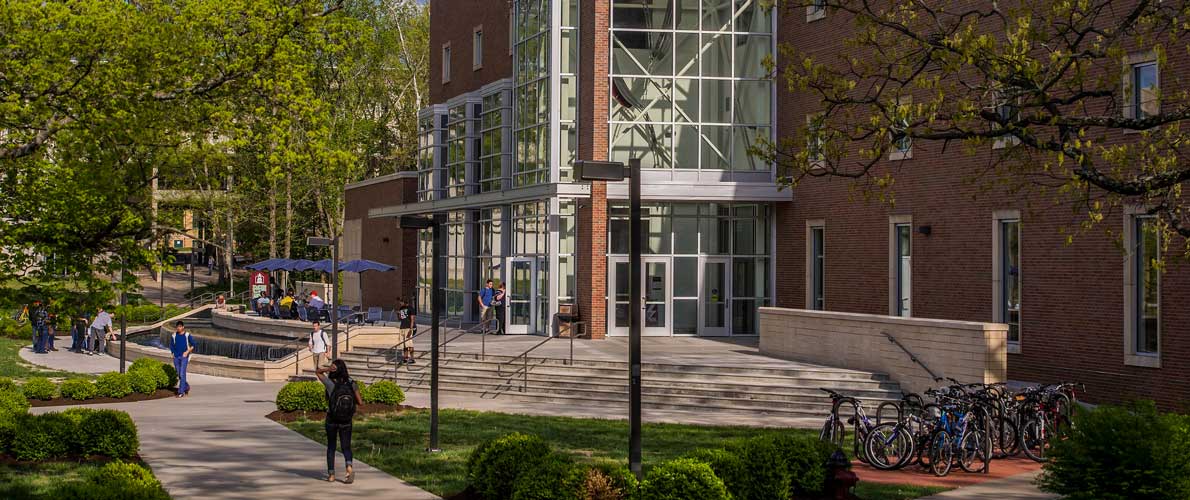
[{"x": 374, "y": 314}]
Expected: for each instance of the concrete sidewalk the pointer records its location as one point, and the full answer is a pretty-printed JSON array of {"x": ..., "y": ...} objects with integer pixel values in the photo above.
[
  {"x": 217, "y": 443},
  {"x": 1018, "y": 487}
]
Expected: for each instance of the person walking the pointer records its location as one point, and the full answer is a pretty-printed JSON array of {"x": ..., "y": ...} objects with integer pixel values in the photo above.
[
  {"x": 181, "y": 345},
  {"x": 406, "y": 327},
  {"x": 343, "y": 398},
  {"x": 38, "y": 321},
  {"x": 51, "y": 331},
  {"x": 485, "y": 305},
  {"x": 318, "y": 346},
  {"x": 210, "y": 265},
  {"x": 98, "y": 331},
  {"x": 498, "y": 305}
]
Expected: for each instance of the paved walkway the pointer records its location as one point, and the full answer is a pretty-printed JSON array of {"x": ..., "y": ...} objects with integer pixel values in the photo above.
[
  {"x": 217, "y": 443},
  {"x": 1018, "y": 487},
  {"x": 177, "y": 285}
]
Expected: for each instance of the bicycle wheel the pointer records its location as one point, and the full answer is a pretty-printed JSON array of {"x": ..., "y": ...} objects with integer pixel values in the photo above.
[
  {"x": 888, "y": 446},
  {"x": 1004, "y": 438},
  {"x": 858, "y": 436},
  {"x": 832, "y": 432},
  {"x": 1033, "y": 439},
  {"x": 941, "y": 453},
  {"x": 974, "y": 451}
]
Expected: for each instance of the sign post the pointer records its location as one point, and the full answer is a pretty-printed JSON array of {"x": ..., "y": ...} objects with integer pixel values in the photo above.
[{"x": 258, "y": 282}]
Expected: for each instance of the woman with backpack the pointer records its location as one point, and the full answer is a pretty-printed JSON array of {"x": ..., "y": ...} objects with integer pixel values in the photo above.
[{"x": 342, "y": 396}]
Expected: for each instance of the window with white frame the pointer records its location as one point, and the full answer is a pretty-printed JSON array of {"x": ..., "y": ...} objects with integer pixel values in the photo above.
[
  {"x": 446, "y": 62},
  {"x": 1146, "y": 252},
  {"x": 816, "y": 267},
  {"x": 1010, "y": 278},
  {"x": 902, "y": 262},
  {"x": 477, "y": 48}
]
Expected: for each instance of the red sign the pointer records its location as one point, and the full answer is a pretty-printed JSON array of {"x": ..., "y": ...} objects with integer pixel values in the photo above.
[{"x": 259, "y": 282}]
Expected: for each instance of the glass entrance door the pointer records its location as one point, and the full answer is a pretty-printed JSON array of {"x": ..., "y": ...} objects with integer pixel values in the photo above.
[
  {"x": 714, "y": 311},
  {"x": 656, "y": 287},
  {"x": 522, "y": 295}
]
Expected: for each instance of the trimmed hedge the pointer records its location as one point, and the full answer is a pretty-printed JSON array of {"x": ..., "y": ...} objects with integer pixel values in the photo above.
[
  {"x": 6, "y": 384},
  {"x": 727, "y": 466},
  {"x": 78, "y": 389},
  {"x": 155, "y": 369},
  {"x": 144, "y": 381},
  {"x": 110, "y": 433},
  {"x": 494, "y": 467},
  {"x": 302, "y": 396},
  {"x": 8, "y": 429},
  {"x": 114, "y": 481},
  {"x": 556, "y": 478},
  {"x": 113, "y": 385},
  {"x": 384, "y": 391},
  {"x": 766, "y": 475},
  {"x": 683, "y": 479},
  {"x": 805, "y": 457},
  {"x": 171, "y": 375},
  {"x": 13, "y": 403},
  {"x": 1121, "y": 452},
  {"x": 46, "y": 436},
  {"x": 39, "y": 388}
]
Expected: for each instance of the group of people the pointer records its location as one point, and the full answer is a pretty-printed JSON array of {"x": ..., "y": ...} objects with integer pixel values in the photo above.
[
  {"x": 88, "y": 335},
  {"x": 491, "y": 308},
  {"x": 288, "y": 304}
]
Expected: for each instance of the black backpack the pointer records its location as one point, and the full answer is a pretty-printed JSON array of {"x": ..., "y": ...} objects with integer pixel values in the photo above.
[{"x": 342, "y": 403}]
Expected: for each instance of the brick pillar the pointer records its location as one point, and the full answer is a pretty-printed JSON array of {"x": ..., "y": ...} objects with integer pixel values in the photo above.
[
  {"x": 591, "y": 272},
  {"x": 591, "y": 227}
]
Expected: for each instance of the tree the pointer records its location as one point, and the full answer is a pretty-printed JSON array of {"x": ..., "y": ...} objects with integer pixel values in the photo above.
[{"x": 1041, "y": 81}]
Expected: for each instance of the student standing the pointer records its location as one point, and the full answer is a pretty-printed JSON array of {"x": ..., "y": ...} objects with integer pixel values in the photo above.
[
  {"x": 485, "y": 305},
  {"x": 318, "y": 346},
  {"x": 181, "y": 345},
  {"x": 498, "y": 305},
  {"x": 343, "y": 397},
  {"x": 98, "y": 331},
  {"x": 38, "y": 319},
  {"x": 406, "y": 327}
]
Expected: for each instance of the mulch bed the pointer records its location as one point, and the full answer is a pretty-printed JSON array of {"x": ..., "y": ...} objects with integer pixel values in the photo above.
[
  {"x": 467, "y": 494},
  {"x": 365, "y": 410},
  {"x": 136, "y": 396}
]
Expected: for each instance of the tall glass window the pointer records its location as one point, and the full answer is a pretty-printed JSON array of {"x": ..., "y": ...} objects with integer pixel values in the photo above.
[
  {"x": 456, "y": 263},
  {"x": 429, "y": 156},
  {"x": 690, "y": 87},
  {"x": 1010, "y": 251},
  {"x": 456, "y": 151},
  {"x": 568, "y": 134},
  {"x": 531, "y": 163},
  {"x": 566, "y": 242},
  {"x": 425, "y": 261},
  {"x": 530, "y": 238},
  {"x": 818, "y": 268},
  {"x": 489, "y": 242},
  {"x": 491, "y": 150},
  {"x": 904, "y": 266},
  {"x": 1148, "y": 285}
]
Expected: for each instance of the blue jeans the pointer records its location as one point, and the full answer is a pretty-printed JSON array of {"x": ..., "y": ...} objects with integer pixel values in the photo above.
[
  {"x": 76, "y": 335},
  {"x": 41, "y": 335},
  {"x": 180, "y": 363}
]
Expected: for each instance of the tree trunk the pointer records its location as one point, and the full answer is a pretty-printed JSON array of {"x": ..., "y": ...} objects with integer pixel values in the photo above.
[
  {"x": 273, "y": 220},
  {"x": 288, "y": 223}
]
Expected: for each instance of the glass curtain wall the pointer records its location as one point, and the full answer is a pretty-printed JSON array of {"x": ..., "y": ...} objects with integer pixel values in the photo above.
[
  {"x": 489, "y": 250},
  {"x": 532, "y": 67},
  {"x": 456, "y": 263},
  {"x": 692, "y": 233},
  {"x": 429, "y": 154},
  {"x": 457, "y": 143},
  {"x": 568, "y": 81},
  {"x": 689, "y": 82},
  {"x": 530, "y": 238},
  {"x": 492, "y": 118},
  {"x": 566, "y": 242}
]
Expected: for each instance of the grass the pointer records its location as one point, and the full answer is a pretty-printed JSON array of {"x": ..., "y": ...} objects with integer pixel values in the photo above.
[
  {"x": 878, "y": 491},
  {"x": 38, "y": 480},
  {"x": 396, "y": 444},
  {"x": 12, "y": 366}
]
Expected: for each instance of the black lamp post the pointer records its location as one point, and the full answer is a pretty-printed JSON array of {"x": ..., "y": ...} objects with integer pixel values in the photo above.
[
  {"x": 334, "y": 244},
  {"x": 615, "y": 172},
  {"x": 435, "y": 225}
]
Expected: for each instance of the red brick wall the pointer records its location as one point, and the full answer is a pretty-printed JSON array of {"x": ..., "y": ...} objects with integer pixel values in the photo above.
[
  {"x": 591, "y": 269},
  {"x": 454, "y": 21},
  {"x": 1072, "y": 319},
  {"x": 382, "y": 240}
]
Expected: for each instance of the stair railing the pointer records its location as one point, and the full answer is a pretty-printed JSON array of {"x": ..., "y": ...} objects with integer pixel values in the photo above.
[
  {"x": 912, "y": 357},
  {"x": 397, "y": 352},
  {"x": 524, "y": 370}
]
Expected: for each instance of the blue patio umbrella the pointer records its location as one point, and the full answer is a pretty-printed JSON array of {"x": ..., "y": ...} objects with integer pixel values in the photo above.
[
  {"x": 364, "y": 265},
  {"x": 297, "y": 264},
  {"x": 323, "y": 265},
  {"x": 264, "y": 265}
]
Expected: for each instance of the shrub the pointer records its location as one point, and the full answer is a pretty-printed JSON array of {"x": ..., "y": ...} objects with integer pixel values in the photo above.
[
  {"x": 114, "y": 481},
  {"x": 78, "y": 389},
  {"x": 6, "y": 384},
  {"x": 110, "y": 433},
  {"x": 41, "y": 437},
  {"x": 805, "y": 457},
  {"x": 608, "y": 480},
  {"x": 39, "y": 388},
  {"x": 302, "y": 396},
  {"x": 494, "y": 467},
  {"x": 171, "y": 376},
  {"x": 143, "y": 381},
  {"x": 155, "y": 368},
  {"x": 113, "y": 385},
  {"x": 13, "y": 402},
  {"x": 384, "y": 391},
  {"x": 726, "y": 464},
  {"x": 556, "y": 478},
  {"x": 682, "y": 479},
  {"x": 1121, "y": 452},
  {"x": 766, "y": 474}
]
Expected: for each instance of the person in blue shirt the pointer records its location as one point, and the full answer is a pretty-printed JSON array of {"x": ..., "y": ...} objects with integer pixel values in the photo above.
[
  {"x": 485, "y": 305},
  {"x": 39, "y": 321},
  {"x": 181, "y": 345}
]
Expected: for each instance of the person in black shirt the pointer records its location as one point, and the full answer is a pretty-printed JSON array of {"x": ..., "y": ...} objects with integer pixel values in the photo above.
[
  {"x": 39, "y": 320},
  {"x": 407, "y": 326}
]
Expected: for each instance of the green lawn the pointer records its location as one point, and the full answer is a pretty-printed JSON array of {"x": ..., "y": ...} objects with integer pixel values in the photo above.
[
  {"x": 396, "y": 444},
  {"x": 36, "y": 481},
  {"x": 877, "y": 491},
  {"x": 12, "y": 366}
]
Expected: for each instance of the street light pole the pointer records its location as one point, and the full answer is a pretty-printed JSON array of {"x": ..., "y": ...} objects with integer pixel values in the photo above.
[
  {"x": 123, "y": 319},
  {"x": 335, "y": 299},
  {"x": 434, "y": 224}
]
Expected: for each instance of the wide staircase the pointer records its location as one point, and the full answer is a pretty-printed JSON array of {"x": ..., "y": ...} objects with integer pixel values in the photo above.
[{"x": 791, "y": 392}]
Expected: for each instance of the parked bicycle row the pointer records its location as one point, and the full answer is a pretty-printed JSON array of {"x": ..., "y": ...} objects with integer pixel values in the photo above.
[{"x": 964, "y": 424}]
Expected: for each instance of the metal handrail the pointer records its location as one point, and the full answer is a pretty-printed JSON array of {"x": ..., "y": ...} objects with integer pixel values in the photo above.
[
  {"x": 524, "y": 356},
  {"x": 912, "y": 357}
]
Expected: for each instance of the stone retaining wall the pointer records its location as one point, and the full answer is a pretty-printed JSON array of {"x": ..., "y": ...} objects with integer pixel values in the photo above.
[{"x": 966, "y": 351}]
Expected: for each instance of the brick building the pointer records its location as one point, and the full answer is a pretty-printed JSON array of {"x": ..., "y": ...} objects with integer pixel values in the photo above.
[{"x": 523, "y": 88}]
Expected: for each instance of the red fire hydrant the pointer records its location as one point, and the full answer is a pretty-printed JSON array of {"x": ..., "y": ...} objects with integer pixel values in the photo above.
[{"x": 839, "y": 478}]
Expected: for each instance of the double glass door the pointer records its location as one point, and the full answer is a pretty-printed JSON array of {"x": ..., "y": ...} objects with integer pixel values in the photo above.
[
  {"x": 523, "y": 284},
  {"x": 706, "y": 313}
]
